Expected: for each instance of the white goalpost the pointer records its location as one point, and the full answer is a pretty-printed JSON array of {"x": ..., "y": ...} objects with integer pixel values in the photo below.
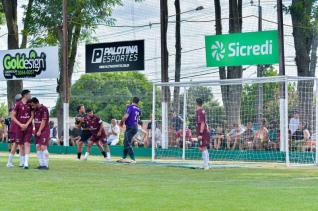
[{"x": 242, "y": 128}]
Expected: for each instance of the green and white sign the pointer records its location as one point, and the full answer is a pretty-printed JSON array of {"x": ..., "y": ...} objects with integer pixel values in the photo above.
[{"x": 250, "y": 48}]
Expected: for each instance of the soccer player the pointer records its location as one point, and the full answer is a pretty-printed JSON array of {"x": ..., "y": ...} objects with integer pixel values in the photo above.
[
  {"x": 202, "y": 133},
  {"x": 130, "y": 119},
  {"x": 85, "y": 133},
  {"x": 22, "y": 116},
  {"x": 14, "y": 147},
  {"x": 98, "y": 134},
  {"x": 42, "y": 132}
]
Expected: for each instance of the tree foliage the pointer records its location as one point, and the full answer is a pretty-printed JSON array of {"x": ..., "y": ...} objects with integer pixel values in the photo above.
[
  {"x": 270, "y": 98},
  {"x": 108, "y": 94}
]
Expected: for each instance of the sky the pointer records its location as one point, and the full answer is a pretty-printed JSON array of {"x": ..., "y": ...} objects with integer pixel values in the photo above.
[{"x": 193, "y": 33}]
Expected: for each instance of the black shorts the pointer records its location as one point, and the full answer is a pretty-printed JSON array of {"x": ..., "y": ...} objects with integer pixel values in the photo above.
[{"x": 85, "y": 135}]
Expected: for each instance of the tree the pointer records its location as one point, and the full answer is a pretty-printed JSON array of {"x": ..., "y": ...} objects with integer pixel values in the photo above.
[
  {"x": 83, "y": 17},
  {"x": 10, "y": 10},
  {"x": 231, "y": 94},
  {"x": 108, "y": 94},
  {"x": 270, "y": 96},
  {"x": 304, "y": 14}
]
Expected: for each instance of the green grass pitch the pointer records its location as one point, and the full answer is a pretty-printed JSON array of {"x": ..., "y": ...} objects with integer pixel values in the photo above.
[{"x": 93, "y": 185}]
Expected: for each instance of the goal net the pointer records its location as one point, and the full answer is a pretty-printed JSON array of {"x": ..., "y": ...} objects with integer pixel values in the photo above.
[{"x": 269, "y": 119}]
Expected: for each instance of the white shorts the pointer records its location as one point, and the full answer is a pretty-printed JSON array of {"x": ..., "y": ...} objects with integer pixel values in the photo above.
[{"x": 112, "y": 141}]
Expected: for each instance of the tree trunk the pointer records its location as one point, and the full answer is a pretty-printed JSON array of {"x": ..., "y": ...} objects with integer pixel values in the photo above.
[
  {"x": 10, "y": 9},
  {"x": 176, "y": 94},
  {"x": 305, "y": 41},
  {"x": 73, "y": 42},
  {"x": 231, "y": 94}
]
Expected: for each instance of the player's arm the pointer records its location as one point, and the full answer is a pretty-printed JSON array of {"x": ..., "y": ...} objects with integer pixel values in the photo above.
[
  {"x": 42, "y": 125},
  {"x": 31, "y": 119},
  {"x": 14, "y": 119},
  {"x": 100, "y": 128},
  {"x": 125, "y": 117}
]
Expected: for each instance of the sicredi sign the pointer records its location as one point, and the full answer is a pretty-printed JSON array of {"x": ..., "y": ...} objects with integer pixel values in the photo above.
[
  {"x": 237, "y": 49},
  {"x": 115, "y": 56},
  {"x": 29, "y": 63}
]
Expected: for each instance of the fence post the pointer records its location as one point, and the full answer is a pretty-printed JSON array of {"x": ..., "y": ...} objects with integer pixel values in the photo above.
[
  {"x": 184, "y": 122},
  {"x": 153, "y": 123},
  {"x": 286, "y": 123},
  {"x": 316, "y": 121}
]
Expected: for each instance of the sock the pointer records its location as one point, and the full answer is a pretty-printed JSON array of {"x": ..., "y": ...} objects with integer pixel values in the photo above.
[
  {"x": 104, "y": 154},
  {"x": 79, "y": 154},
  {"x": 26, "y": 160},
  {"x": 22, "y": 159},
  {"x": 108, "y": 155},
  {"x": 131, "y": 153},
  {"x": 9, "y": 150},
  {"x": 39, "y": 156},
  {"x": 42, "y": 159},
  {"x": 86, "y": 154},
  {"x": 18, "y": 151},
  {"x": 10, "y": 158},
  {"x": 205, "y": 155},
  {"x": 45, "y": 154},
  {"x": 125, "y": 153}
]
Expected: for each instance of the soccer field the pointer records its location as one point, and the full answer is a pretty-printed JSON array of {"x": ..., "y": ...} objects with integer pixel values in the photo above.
[{"x": 94, "y": 185}]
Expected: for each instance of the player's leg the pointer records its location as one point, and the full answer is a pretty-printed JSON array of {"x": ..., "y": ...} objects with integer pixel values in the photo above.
[
  {"x": 22, "y": 155},
  {"x": 79, "y": 149},
  {"x": 39, "y": 153},
  {"x": 88, "y": 149},
  {"x": 107, "y": 148},
  {"x": 99, "y": 144},
  {"x": 131, "y": 134},
  {"x": 11, "y": 155},
  {"x": 26, "y": 140},
  {"x": 45, "y": 155}
]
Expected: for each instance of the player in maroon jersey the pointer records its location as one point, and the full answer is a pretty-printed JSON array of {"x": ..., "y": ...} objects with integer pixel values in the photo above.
[
  {"x": 11, "y": 135},
  {"x": 202, "y": 133},
  {"x": 98, "y": 134},
  {"x": 42, "y": 132},
  {"x": 22, "y": 116}
]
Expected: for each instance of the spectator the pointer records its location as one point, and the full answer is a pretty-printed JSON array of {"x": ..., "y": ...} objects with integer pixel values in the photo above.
[
  {"x": 177, "y": 121},
  {"x": 261, "y": 136},
  {"x": 53, "y": 134},
  {"x": 301, "y": 136},
  {"x": 218, "y": 138},
  {"x": 139, "y": 138},
  {"x": 188, "y": 136},
  {"x": 273, "y": 136},
  {"x": 234, "y": 136},
  {"x": 2, "y": 129},
  {"x": 294, "y": 122},
  {"x": 113, "y": 133},
  {"x": 157, "y": 134},
  {"x": 257, "y": 122},
  {"x": 247, "y": 137}
]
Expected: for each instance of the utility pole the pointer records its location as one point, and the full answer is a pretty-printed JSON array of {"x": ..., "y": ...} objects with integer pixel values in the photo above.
[
  {"x": 282, "y": 101},
  {"x": 65, "y": 78},
  {"x": 164, "y": 70},
  {"x": 259, "y": 92}
]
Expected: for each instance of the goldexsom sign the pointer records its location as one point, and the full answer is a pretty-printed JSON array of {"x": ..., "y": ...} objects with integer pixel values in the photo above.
[{"x": 250, "y": 48}]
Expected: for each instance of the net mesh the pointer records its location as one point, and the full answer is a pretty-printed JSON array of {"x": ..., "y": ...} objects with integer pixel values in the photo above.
[{"x": 248, "y": 120}]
